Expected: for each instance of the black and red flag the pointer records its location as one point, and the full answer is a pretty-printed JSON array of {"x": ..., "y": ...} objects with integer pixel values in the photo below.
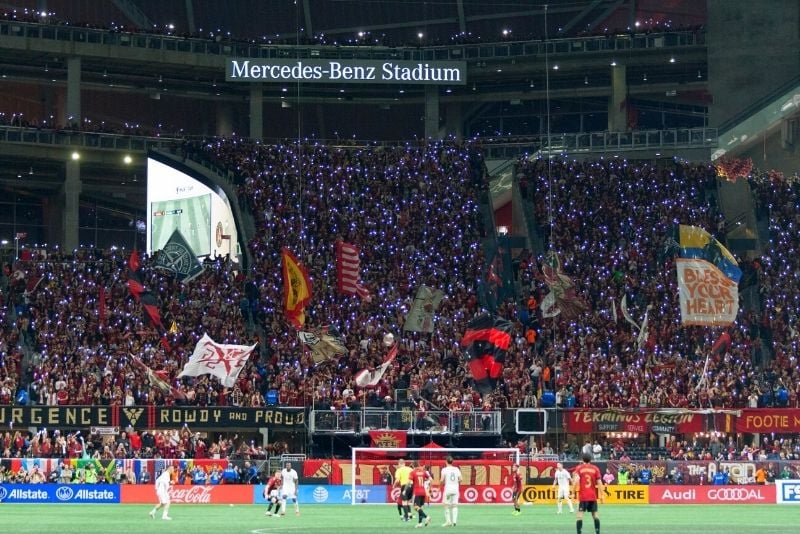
[
  {"x": 145, "y": 297},
  {"x": 487, "y": 340}
]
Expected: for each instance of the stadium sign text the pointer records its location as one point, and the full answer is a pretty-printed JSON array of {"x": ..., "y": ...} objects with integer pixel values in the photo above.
[
  {"x": 151, "y": 416},
  {"x": 346, "y": 71}
]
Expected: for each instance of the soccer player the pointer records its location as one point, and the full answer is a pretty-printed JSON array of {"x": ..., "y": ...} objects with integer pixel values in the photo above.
[
  {"x": 562, "y": 479},
  {"x": 271, "y": 493},
  {"x": 451, "y": 479},
  {"x": 162, "y": 492},
  {"x": 588, "y": 479},
  {"x": 288, "y": 491},
  {"x": 419, "y": 478},
  {"x": 516, "y": 488},
  {"x": 402, "y": 480}
]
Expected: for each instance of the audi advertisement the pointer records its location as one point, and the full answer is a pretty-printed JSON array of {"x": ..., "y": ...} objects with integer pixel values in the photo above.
[{"x": 712, "y": 495}]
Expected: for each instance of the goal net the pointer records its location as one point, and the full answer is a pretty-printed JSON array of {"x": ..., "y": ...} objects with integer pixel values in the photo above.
[{"x": 485, "y": 472}]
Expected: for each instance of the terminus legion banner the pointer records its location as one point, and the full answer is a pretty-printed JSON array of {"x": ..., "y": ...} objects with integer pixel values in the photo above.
[
  {"x": 661, "y": 421},
  {"x": 346, "y": 71}
]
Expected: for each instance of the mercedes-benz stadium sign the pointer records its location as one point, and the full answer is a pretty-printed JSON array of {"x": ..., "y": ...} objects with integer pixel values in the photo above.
[{"x": 346, "y": 71}]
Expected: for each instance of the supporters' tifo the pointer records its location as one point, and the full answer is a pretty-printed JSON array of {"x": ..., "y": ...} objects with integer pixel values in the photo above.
[{"x": 561, "y": 266}]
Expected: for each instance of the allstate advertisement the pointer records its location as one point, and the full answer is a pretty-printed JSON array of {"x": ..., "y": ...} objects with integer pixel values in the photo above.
[
  {"x": 60, "y": 493},
  {"x": 788, "y": 491},
  {"x": 326, "y": 494}
]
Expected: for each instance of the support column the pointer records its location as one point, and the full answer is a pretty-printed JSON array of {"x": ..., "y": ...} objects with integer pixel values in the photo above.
[
  {"x": 73, "y": 111},
  {"x": 432, "y": 111},
  {"x": 224, "y": 119},
  {"x": 617, "y": 104},
  {"x": 257, "y": 111},
  {"x": 71, "y": 193},
  {"x": 454, "y": 120}
]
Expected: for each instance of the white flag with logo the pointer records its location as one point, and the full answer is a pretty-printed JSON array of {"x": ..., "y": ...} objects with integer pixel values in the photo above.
[
  {"x": 223, "y": 361},
  {"x": 366, "y": 378}
]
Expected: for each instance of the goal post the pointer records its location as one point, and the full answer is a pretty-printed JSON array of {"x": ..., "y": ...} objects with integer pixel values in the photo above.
[{"x": 430, "y": 455}]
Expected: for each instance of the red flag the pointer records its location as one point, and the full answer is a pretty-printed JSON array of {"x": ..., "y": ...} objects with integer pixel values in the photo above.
[{"x": 348, "y": 267}]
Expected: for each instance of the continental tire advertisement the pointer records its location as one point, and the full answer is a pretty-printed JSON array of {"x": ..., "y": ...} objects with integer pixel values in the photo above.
[{"x": 546, "y": 494}]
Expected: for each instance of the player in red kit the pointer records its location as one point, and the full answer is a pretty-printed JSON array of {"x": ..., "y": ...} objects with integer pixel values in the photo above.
[
  {"x": 419, "y": 477},
  {"x": 588, "y": 482},
  {"x": 271, "y": 491},
  {"x": 516, "y": 488}
]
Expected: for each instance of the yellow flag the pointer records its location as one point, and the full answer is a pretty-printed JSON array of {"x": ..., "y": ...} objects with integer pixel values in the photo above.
[
  {"x": 296, "y": 288},
  {"x": 173, "y": 329}
]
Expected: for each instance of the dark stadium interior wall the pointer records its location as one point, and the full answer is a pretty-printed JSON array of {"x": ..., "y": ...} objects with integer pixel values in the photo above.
[{"x": 751, "y": 52}]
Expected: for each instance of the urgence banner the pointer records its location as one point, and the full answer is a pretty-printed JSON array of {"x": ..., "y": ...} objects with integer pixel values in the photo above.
[{"x": 628, "y": 494}]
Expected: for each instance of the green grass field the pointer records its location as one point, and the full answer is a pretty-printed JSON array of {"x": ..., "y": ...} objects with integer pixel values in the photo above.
[{"x": 682, "y": 519}]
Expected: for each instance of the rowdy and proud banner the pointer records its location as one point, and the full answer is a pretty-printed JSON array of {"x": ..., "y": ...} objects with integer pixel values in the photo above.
[{"x": 707, "y": 297}]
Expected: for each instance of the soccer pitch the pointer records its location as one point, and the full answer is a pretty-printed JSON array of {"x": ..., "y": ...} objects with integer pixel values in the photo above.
[{"x": 641, "y": 519}]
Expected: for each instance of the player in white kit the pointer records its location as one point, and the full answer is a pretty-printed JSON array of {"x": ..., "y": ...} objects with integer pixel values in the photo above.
[
  {"x": 289, "y": 481},
  {"x": 451, "y": 479},
  {"x": 162, "y": 492},
  {"x": 563, "y": 480}
]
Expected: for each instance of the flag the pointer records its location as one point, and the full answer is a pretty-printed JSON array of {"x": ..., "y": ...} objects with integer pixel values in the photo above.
[
  {"x": 101, "y": 304},
  {"x": 32, "y": 283},
  {"x": 563, "y": 299},
  {"x": 348, "y": 266},
  {"x": 324, "y": 345},
  {"x": 420, "y": 316},
  {"x": 179, "y": 258},
  {"x": 296, "y": 288},
  {"x": 157, "y": 382},
  {"x": 366, "y": 378},
  {"x": 487, "y": 341},
  {"x": 143, "y": 296},
  {"x": 173, "y": 328},
  {"x": 696, "y": 243},
  {"x": 223, "y": 361}
]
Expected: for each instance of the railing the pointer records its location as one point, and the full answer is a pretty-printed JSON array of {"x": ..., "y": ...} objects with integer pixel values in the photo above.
[
  {"x": 78, "y": 139},
  {"x": 433, "y": 422},
  {"x": 461, "y": 52},
  {"x": 588, "y": 142}
]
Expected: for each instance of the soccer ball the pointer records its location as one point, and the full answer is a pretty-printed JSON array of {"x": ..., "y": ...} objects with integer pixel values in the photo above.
[{"x": 388, "y": 339}]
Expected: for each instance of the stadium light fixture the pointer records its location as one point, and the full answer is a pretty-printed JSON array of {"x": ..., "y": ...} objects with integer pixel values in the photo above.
[
  {"x": 672, "y": 60},
  {"x": 127, "y": 159},
  {"x": 76, "y": 156},
  {"x": 555, "y": 67},
  {"x": 613, "y": 63},
  {"x": 4, "y": 242}
]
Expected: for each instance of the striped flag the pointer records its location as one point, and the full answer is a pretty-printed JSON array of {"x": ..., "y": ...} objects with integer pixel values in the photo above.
[{"x": 348, "y": 266}]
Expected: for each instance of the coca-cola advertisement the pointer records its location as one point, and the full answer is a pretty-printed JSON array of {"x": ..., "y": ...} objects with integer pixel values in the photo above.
[{"x": 222, "y": 494}]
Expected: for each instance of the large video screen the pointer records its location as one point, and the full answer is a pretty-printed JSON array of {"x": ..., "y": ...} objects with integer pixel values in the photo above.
[
  {"x": 192, "y": 216},
  {"x": 176, "y": 200}
]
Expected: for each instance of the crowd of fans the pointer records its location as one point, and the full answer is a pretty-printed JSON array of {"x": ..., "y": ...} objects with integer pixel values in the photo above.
[{"x": 413, "y": 210}]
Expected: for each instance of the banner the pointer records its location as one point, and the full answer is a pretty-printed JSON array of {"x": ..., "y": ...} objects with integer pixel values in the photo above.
[
  {"x": 209, "y": 494},
  {"x": 179, "y": 258},
  {"x": 707, "y": 297},
  {"x": 778, "y": 420},
  {"x": 666, "y": 421},
  {"x": 62, "y": 493},
  {"x": 712, "y": 495},
  {"x": 473, "y": 472},
  {"x": 788, "y": 491},
  {"x": 388, "y": 438},
  {"x": 330, "y": 494},
  {"x": 420, "y": 316},
  {"x": 547, "y": 493},
  {"x": 216, "y": 359},
  {"x": 139, "y": 417},
  {"x": 296, "y": 288},
  {"x": 366, "y": 378},
  {"x": 469, "y": 494}
]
